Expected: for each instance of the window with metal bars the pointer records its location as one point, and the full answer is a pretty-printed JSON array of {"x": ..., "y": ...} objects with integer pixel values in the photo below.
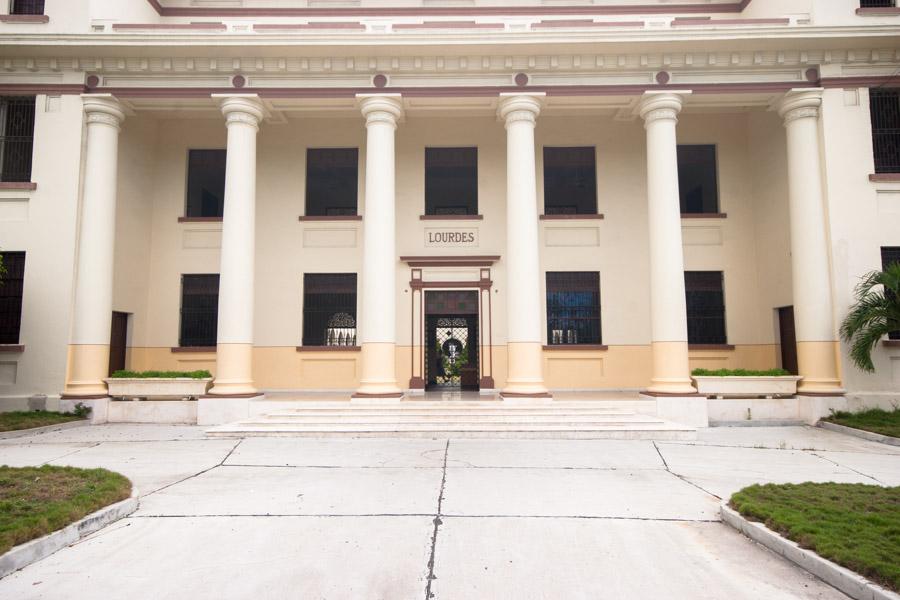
[
  {"x": 26, "y": 7},
  {"x": 573, "y": 307},
  {"x": 205, "y": 183},
  {"x": 199, "y": 310},
  {"x": 877, "y": 3},
  {"x": 11, "y": 297},
  {"x": 705, "y": 307},
  {"x": 451, "y": 181},
  {"x": 16, "y": 138},
  {"x": 884, "y": 105},
  {"x": 697, "y": 179},
  {"x": 570, "y": 181},
  {"x": 890, "y": 255},
  {"x": 332, "y": 176},
  {"x": 329, "y": 309}
]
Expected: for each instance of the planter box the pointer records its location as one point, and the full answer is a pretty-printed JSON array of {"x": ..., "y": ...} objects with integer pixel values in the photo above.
[
  {"x": 156, "y": 389},
  {"x": 746, "y": 386}
]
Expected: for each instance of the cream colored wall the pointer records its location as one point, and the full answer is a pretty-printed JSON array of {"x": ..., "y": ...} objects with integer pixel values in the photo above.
[{"x": 43, "y": 224}]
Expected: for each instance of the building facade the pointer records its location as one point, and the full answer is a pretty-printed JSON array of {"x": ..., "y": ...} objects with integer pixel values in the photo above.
[{"x": 380, "y": 198}]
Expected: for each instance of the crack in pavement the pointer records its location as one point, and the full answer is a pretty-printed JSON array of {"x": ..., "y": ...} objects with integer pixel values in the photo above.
[
  {"x": 71, "y": 453},
  {"x": 837, "y": 464},
  {"x": 681, "y": 478},
  {"x": 437, "y": 523},
  {"x": 198, "y": 474},
  {"x": 407, "y": 515}
]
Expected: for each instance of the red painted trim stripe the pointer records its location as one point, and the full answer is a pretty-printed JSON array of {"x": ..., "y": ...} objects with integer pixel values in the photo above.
[
  {"x": 11, "y": 89},
  {"x": 171, "y": 26},
  {"x": 448, "y": 25},
  {"x": 620, "y": 9},
  {"x": 707, "y": 22},
  {"x": 572, "y": 23},
  {"x": 878, "y": 11},
  {"x": 24, "y": 19},
  {"x": 355, "y": 25}
]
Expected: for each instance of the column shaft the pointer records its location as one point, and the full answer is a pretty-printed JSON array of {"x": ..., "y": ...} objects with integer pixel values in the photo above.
[
  {"x": 525, "y": 377},
  {"x": 668, "y": 312},
  {"x": 88, "y": 355}
]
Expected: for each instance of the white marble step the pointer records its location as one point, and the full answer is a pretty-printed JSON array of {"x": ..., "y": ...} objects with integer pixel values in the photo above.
[{"x": 350, "y": 418}]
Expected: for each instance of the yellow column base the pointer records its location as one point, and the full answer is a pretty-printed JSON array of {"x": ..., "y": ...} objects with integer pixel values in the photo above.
[
  {"x": 525, "y": 371},
  {"x": 818, "y": 365},
  {"x": 234, "y": 371},
  {"x": 671, "y": 369},
  {"x": 87, "y": 365},
  {"x": 378, "y": 377}
]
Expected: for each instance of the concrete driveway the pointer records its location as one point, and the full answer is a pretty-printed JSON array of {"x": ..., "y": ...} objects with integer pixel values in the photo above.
[{"x": 449, "y": 519}]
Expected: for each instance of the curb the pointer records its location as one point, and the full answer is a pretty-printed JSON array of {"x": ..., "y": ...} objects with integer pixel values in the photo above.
[
  {"x": 30, "y": 552},
  {"x": 866, "y": 435},
  {"x": 8, "y": 435},
  {"x": 854, "y": 585}
]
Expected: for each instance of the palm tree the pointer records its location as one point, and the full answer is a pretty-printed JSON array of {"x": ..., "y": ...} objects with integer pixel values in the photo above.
[{"x": 875, "y": 314}]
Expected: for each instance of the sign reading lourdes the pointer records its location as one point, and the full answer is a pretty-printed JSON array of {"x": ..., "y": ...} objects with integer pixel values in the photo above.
[{"x": 444, "y": 237}]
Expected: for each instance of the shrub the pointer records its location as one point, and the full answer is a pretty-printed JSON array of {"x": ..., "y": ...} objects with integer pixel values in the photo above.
[
  {"x": 160, "y": 374},
  {"x": 739, "y": 373}
]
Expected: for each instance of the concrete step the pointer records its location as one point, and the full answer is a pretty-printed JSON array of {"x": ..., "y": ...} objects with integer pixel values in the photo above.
[{"x": 472, "y": 418}]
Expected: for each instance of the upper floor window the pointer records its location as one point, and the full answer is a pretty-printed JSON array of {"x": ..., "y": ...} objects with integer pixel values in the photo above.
[
  {"x": 11, "y": 297},
  {"x": 332, "y": 177},
  {"x": 329, "y": 309},
  {"x": 877, "y": 3},
  {"x": 451, "y": 181},
  {"x": 705, "y": 307},
  {"x": 206, "y": 183},
  {"x": 26, "y": 7},
  {"x": 884, "y": 105},
  {"x": 697, "y": 179},
  {"x": 570, "y": 181},
  {"x": 573, "y": 307},
  {"x": 889, "y": 256},
  {"x": 199, "y": 310},
  {"x": 16, "y": 137}
]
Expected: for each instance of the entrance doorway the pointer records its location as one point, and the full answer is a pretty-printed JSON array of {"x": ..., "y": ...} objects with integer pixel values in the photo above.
[
  {"x": 118, "y": 339},
  {"x": 788, "y": 339},
  {"x": 451, "y": 340}
]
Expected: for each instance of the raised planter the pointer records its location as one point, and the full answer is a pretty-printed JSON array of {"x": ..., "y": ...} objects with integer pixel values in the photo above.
[
  {"x": 746, "y": 386},
  {"x": 177, "y": 388}
]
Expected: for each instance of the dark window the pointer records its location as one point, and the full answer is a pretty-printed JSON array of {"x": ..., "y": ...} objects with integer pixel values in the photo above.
[
  {"x": 451, "y": 181},
  {"x": 573, "y": 308},
  {"x": 199, "y": 310},
  {"x": 27, "y": 7},
  {"x": 331, "y": 181},
  {"x": 329, "y": 309},
  {"x": 11, "y": 297},
  {"x": 206, "y": 183},
  {"x": 705, "y": 307},
  {"x": 889, "y": 256},
  {"x": 570, "y": 181},
  {"x": 884, "y": 106},
  {"x": 16, "y": 137},
  {"x": 877, "y": 3},
  {"x": 697, "y": 180}
]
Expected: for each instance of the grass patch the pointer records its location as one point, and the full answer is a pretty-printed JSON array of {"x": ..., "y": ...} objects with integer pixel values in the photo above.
[
  {"x": 875, "y": 420},
  {"x": 852, "y": 524},
  {"x": 14, "y": 421},
  {"x": 35, "y": 501},
  {"x": 739, "y": 373},
  {"x": 160, "y": 374}
]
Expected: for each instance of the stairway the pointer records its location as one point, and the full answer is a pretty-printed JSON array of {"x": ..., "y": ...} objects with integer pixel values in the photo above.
[{"x": 583, "y": 419}]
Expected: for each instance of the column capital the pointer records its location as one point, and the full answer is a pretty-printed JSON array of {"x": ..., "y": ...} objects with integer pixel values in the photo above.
[
  {"x": 520, "y": 107},
  {"x": 104, "y": 109},
  {"x": 661, "y": 105},
  {"x": 800, "y": 103},
  {"x": 380, "y": 108},
  {"x": 241, "y": 108}
]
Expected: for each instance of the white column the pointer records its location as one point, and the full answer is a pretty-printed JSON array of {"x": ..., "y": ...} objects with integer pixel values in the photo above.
[
  {"x": 668, "y": 311},
  {"x": 378, "y": 310},
  {"x": 525, "y": 377},
  {"x": 234, "y": 344},
  {"x": 817, "y": 346},
  {"x": 88, "y": 357}
]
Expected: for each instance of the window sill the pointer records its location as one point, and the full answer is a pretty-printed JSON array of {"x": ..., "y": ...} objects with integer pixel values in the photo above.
[
  {"x": 710, "y": 346},
  {"x": 704, "y": 215},
  {"x": 18, "y": 185},
  {"x": 192, "y": 349},
  {"x": 876, "y": 11},
  {"x": 328, "y": 348},
  {"x": 451, "y": 217},
  {"x": 11, "y": 348},
  {"x": 199, "y": 219},
  {"x": 331, "y": 217},
  {"x": 24, "y": 19},
  {"x": 577, "y": 347},
  {"x": 891, "y": 343},
  {"x": 569, "y": 217},
  {"x": 885, "y": 177}
]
